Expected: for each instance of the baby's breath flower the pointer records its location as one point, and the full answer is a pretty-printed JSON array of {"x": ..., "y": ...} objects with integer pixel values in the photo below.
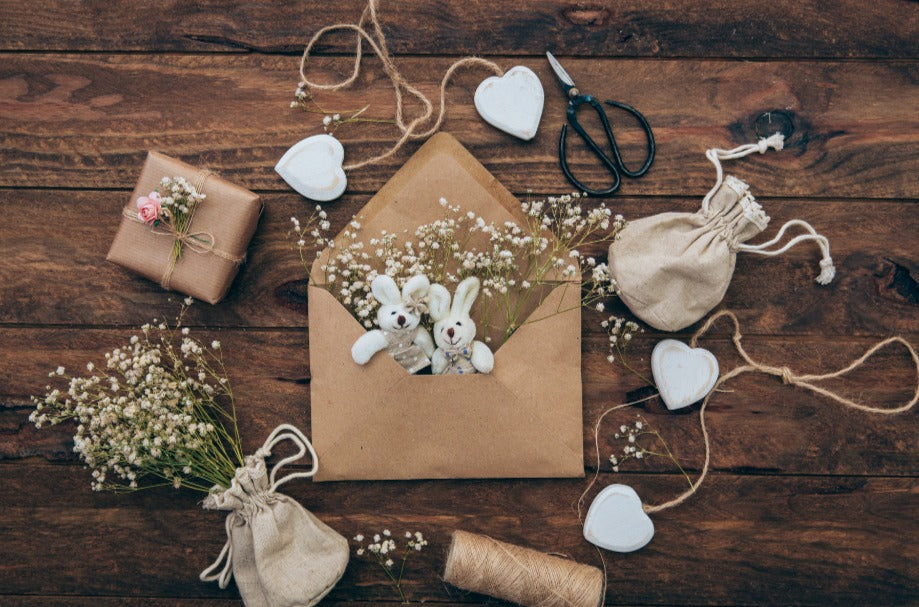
[
  {"x": 514, "y": 262},
  {"x": 384, "y": 550},
  {"x": 149, "y": 412}
]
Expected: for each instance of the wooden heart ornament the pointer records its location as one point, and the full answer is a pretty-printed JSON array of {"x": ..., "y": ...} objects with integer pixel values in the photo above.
[
  {"x": 616, "y": 520},
  {"x": 512, "y": 102},
  {"x": 313, "y": 168},
  {"x": 683, "y": 375}
]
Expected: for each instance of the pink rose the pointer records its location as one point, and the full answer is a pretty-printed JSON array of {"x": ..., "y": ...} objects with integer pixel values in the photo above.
[{"x": 148, "y": 207}]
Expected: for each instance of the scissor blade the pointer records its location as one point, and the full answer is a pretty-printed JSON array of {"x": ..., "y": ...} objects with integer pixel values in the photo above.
[{"x": 559, "y": 70}]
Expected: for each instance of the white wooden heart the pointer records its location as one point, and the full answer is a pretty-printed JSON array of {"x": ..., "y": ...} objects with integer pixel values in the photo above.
[
  {"x": 683, "y": 375},
  {"x": 313, "y": 167},
  {"x": 513, "y": 102},
  {"x": 616, "y": 520}
]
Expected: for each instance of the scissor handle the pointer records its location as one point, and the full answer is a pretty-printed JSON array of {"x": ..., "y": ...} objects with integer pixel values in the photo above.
[
  {"x": 615, "y": 165},
  {"x": 609, "y": 163},
  {"x": 648, "y": 134}
]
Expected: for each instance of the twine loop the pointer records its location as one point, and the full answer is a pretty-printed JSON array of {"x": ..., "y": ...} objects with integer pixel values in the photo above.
[
  {"x": 377, "y": 42},
  {"x": 789, "y": 377}
]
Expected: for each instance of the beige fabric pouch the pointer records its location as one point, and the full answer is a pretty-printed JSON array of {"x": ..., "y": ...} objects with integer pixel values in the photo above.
[
  {"x": 280, "y": 554},
  {"x": 671, "y": 269}
]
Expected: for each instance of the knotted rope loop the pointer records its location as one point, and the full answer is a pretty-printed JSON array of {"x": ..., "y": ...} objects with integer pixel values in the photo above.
[
  {"x": 716, "y": 155},
  {"x": 789, "y": 377},
  {"x": 401, "y": 86}
]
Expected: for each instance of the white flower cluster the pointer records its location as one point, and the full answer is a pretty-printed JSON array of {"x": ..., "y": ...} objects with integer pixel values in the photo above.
[
  {"x": 178, "y": 196},
  {"x": 630, "y": 435},
  {"x": 303, "y": 99},
  {"x": 151, "y": 411},
  {"x": 620, "y": 332},
  {"x": 514, "y": 262},
  {"x": 385, "y": 551},
  {"x": 643, "y": 441}
]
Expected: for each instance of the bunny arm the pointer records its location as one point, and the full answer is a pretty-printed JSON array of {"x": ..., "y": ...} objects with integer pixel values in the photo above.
[
  {"x": 367, "y": 345},
  {"x": 482, "y": 358},
  {"x": 424, "y": 341},
  {"x": 438, "y": 362}
]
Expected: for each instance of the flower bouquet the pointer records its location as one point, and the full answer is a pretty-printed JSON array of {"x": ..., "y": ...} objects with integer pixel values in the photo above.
[{"x": 160, "y": 411}]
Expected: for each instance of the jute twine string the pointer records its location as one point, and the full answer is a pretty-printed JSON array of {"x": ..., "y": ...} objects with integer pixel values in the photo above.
[
  {"x": 200, "y": 242},
  {"x": 377, "y": 42},
  {"x": 788, "y": 376},
  {"x": 482, "y": 564}
]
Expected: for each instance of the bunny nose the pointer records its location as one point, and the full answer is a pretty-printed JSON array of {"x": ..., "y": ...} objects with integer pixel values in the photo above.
[
  {"x": 450, "y": 332},
  {"x": 400, "y": 320}
]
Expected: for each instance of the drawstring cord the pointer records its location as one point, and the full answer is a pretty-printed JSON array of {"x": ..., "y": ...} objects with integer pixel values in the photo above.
[
  {"x": 775, "y": 141},
  {"x": 827, "y": 269},
  {"x": 716, "y": 155},
  {"x": 278, "y": 435}
]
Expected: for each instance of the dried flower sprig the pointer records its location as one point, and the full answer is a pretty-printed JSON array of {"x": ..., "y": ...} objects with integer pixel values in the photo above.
[
  {"x": 171, "y": 204},
  {"x": 642, "y": 441},
  {"x": 159, "y": 411},
  {"x": 516, "y": 264},
  {"x": 620, "y": 332},
  {"x": 385, "y": 551},
  {"x": 331, "y": 119}
]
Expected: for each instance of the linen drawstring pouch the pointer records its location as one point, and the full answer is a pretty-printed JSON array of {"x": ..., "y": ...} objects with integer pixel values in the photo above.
[
  {"x": 280, "y": 554},
  {"x": 671, "y": 269}
]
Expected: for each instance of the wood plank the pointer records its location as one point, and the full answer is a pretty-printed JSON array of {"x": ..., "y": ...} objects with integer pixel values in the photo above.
[
  {"x": 120, "y": 601},
  {"x": 85, "y": 121},
  {"x": 634, "y": 28},
  {"x": 873, "y": 244},
  {"x": 759, "y": 426},
  {"x": 102, "y": 601},
  {"x": 741, "y": 536}
]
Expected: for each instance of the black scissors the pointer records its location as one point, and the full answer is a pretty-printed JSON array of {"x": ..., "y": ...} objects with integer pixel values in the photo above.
[{"x": 615, "y": 164}]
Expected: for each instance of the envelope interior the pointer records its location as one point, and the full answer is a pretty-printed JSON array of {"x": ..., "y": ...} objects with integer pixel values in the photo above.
[{"x": 442, "y": 168}]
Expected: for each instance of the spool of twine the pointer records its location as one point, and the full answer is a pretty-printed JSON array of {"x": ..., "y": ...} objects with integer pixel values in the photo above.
[{"x": 481, "y": 564}]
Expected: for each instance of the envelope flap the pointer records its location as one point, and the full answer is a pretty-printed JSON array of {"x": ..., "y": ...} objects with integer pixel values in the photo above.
[{"x": 441, "y": 168}]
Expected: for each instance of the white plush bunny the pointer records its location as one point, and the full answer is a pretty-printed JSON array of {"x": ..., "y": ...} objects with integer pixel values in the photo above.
[
  {"x": 454, "y": 331},
  {"x": 398, "y": 318}
]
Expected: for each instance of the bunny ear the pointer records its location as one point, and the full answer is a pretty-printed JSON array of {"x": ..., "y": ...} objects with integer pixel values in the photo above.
[
  {"x": 416, "y": 287},
  {"x": 385, "y": 290},
  {"x": 466, "y": 292},
  {"x": 438, "y": 302}
]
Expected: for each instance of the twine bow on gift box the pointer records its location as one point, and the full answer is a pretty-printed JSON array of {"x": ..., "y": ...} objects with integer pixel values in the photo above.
[{"x": 178, "y": 228}]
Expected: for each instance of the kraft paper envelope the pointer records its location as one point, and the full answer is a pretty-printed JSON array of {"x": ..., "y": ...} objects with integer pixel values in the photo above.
[{"x": 379, "y": 422}]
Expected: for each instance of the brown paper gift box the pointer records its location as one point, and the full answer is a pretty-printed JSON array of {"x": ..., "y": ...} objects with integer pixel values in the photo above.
[
  {"x": 378, "y": 422},
  {"x": 229, "y": 213}
]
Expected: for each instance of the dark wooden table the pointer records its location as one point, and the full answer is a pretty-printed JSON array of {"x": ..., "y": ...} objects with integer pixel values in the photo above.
[{"x": 808, "y": 503}]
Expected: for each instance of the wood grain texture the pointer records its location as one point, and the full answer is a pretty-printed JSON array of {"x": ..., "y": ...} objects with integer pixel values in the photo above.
[
  {"x": 808, "y": 503},
  {"x": 760, "y": 425},
  {"x": 734, "y": 515},
  {"x": 86, "y": 121},
  {"x": 635, "y": 28},
  {"x": 875, "y": 291}
]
